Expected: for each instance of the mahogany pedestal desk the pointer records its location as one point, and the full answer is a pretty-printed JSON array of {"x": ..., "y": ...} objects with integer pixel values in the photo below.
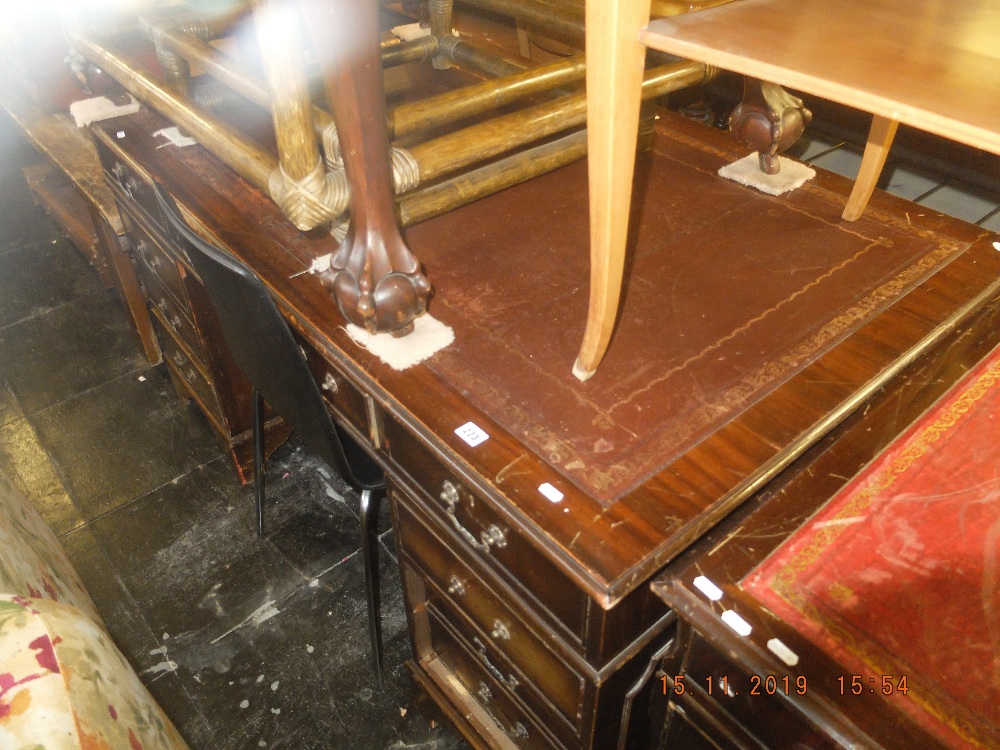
[{"x": 531, "y": 511}]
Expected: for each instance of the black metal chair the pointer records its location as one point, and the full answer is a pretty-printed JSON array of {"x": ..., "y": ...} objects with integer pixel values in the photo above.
[{"x": 262, "y": 346}]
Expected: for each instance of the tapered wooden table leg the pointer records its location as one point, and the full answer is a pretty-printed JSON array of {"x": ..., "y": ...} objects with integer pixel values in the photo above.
[
  {"x": 375, "y": 278},
  {"x": 615, "y": 58},
  {"x": 880, "y": 137}
]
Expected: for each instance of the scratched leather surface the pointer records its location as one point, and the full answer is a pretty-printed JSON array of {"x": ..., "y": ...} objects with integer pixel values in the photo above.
[
  {"x": 721, "y": 305},
  {"x": 915, "y": 533}
]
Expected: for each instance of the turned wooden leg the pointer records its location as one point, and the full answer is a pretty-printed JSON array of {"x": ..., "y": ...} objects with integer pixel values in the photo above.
[
  {"x": 615, "y": 58},
  {"x": 768, "y": 120},
  {"x": 880, "y": 137},
  {"x": 375, "y": 278}
]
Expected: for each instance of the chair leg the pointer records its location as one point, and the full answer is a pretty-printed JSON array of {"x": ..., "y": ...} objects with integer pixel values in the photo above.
[
  {"x": 615, "y": 58},
  {"x": 370, "y": 502},
  {"x": 258, "y": 457},
  {"x": 880, "y": 137}
]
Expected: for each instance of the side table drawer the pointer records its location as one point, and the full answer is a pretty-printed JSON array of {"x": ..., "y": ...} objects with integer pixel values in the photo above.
[
  {"x": 522, "y": 730},
  {"x": 487, "y": 536},
  {"x": 455, "y": 587}
]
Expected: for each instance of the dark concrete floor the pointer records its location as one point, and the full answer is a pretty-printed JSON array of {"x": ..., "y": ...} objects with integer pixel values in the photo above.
[{"x": 245, "y": 642}]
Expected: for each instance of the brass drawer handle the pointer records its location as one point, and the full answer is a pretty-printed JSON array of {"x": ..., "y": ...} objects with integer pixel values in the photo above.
[
  {"x": 510, "y": 681},
  {"x": 491, "y": 537},
  {"x": 517, "y": 731},
  {"x": 131, "y": 187},
  {"x": 485, "y": 694},
  {"x": 329, "y": 383},
  {"x": 456, "y": 587},
  {"x": 500, "y": 631}
]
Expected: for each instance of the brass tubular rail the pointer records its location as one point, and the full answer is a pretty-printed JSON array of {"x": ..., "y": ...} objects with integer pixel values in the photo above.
[
  {"x": 215, "y": 63},
  {"x": 242, "y": 155},
  {"x": 214, "y": 95},
  {"x": 451, "y": 152},
  {"x": 466, "y": 54},
  {"x": 415, "y": 50},
  {"x": 176, "y": 69},
  {"x": 543, "y": 15},
  {"x": 291, "y": 109},
  {"x": 406, "y": 119},
  {"x": 436, "y": 111},
  {"x": 229, "y": 72},
  {"x": 221, "y": 24},
  {"x": 463, "y": 189}
]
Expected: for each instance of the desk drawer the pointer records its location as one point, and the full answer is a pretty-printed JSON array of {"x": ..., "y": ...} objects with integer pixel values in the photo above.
[
  {"x": 762, "y": 704},
  {"x": 486, "y": 536},
  {"x": 156, "y": 260},
  {"x": 346, "y": 400},
  {"x": 184, "y": 369},
  {"x": 171, "y": 316},
  {"x": 513, "y": 720},
  {"x": 130, "y": 183},
  {"x": 498, "y": 627}
]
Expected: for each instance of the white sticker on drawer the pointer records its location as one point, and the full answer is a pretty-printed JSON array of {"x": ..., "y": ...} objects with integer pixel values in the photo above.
[
  {"x": 737, "y": 623},
  {"x": 551, "y": 492},
  {"x": 472, "y": 434}
]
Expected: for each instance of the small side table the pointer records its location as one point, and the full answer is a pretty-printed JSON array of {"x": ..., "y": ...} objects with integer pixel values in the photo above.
[{"x": 932, "y": 65}]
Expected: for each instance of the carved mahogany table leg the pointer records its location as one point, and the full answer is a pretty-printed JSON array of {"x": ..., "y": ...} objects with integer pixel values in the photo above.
[
  {"x": 880, "y": 137},
  {"x": 768, "y": 121},
  {"x": 375, "y": 278},
  {"x": 615, "y": 58}
]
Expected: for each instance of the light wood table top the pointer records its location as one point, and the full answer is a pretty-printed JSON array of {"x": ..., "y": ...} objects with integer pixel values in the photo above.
[{"x": 932, "y": 64}]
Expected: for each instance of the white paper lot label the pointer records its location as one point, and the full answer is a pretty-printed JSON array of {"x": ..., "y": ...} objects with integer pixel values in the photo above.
[{"x": 472, "y": 434}]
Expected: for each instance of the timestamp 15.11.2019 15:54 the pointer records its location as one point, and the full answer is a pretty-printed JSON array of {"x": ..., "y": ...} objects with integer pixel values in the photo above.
[{"x": 787, "y": 685}]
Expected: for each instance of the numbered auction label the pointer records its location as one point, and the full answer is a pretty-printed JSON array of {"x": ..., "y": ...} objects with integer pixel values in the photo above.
[{"x": 472, "y": 434}]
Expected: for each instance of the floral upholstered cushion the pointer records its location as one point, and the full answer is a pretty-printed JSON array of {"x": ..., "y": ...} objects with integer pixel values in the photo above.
[
  {"x": 65, "y": 686},
  {"x": 32, "y": 562},
  {"x": 63, "y": 683}
]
